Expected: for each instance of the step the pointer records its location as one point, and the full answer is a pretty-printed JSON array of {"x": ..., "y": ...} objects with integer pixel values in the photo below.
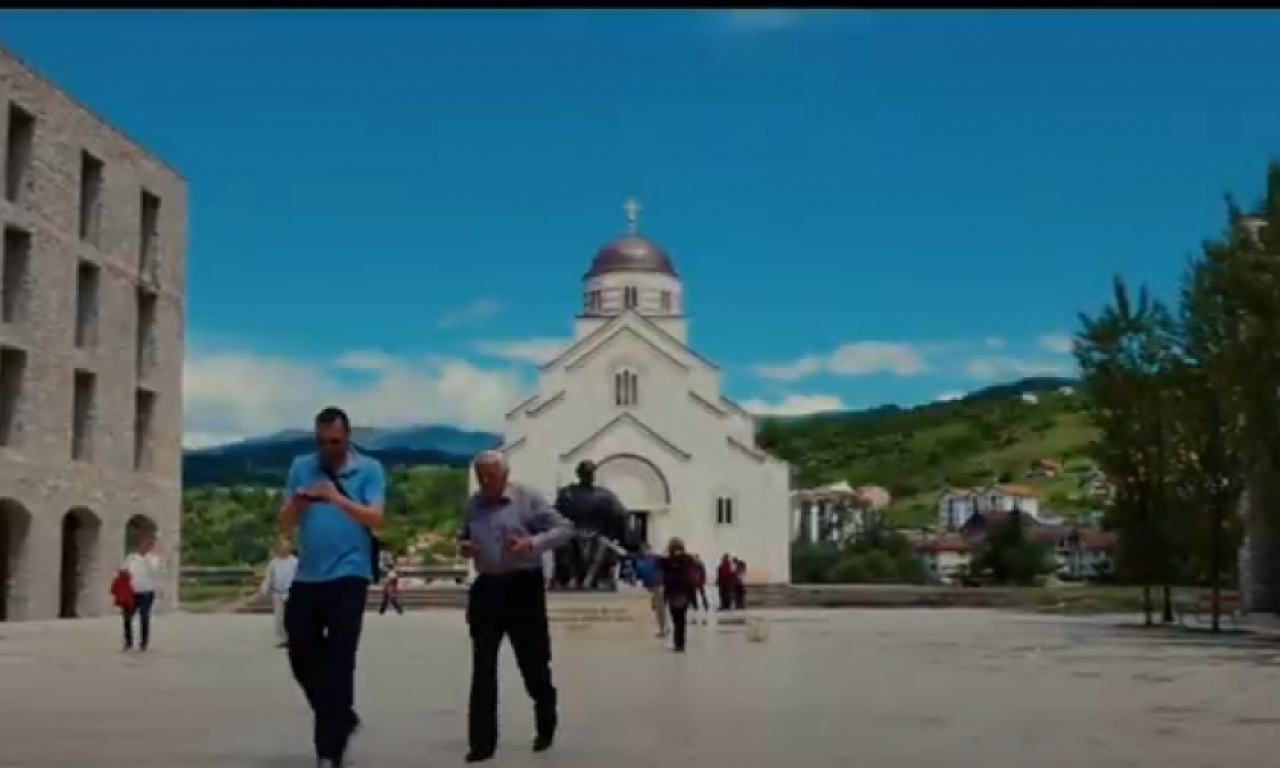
[{"x": 602, "y": 610}]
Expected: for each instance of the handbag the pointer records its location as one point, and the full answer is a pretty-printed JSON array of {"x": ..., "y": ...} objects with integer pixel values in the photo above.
[{"x": 375, "y": 545}]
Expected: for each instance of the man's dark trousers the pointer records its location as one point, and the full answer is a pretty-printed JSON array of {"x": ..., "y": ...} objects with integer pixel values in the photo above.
[
  {"x": 323, "y": 620},
  {"x": 510, "y": 605}
]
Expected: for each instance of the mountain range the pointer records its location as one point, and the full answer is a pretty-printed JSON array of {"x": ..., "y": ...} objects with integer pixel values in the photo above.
[{"x": 265, "y": 459}]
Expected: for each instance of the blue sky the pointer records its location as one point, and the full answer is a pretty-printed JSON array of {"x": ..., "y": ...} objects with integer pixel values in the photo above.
[{"x": 393, "y": 210}]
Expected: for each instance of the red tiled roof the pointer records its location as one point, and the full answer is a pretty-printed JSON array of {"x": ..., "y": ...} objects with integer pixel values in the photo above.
[{"x": 1017, "y": 490}]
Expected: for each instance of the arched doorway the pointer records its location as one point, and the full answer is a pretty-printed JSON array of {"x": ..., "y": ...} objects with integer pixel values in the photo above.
[
  {"x": 81, "y": 530},
  {"x": 138, "y": 528},
  {"x": 642, "y": 489},
  {"x": 15, "y": 528}
]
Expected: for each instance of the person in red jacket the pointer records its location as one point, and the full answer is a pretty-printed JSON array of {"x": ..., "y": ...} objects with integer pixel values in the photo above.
[{"x": 724, "y": 582}]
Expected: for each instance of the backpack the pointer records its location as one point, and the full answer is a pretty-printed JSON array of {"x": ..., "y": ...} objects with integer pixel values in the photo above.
[{"x": 122, "y": 590}]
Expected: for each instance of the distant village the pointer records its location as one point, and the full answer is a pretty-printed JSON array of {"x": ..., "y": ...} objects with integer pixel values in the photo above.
[{"x": 965, "y": 517}]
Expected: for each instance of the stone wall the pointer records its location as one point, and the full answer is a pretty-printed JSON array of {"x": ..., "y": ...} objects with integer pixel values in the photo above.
[{"x": 115, "y": 479}]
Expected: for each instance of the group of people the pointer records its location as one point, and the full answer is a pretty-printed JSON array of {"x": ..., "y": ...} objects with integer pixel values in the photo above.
[
  {"x": 332, "y": 509},
  {"x": 677, "y": 585}
]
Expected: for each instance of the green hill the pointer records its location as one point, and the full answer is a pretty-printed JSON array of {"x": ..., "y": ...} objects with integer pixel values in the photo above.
[{"x": 915, "y": 453}]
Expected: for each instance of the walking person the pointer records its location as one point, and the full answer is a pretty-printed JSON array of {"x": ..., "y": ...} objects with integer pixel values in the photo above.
[
  {"x": 647, "y": 568},
  {"x": 141, "y": 570},
  {"x": 678, "y": 579},
  {"x": 275, "y": 584},
  {"x": 507, "y": 529},
  {"x": 391, "y": 592},
  {"x": 333, "y": 504},
  {"x": 700, "y": 603}
]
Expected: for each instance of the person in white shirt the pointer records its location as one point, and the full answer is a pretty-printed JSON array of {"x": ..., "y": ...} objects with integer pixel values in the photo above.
[
  {"x": 144, "y": 569},
  {"x": 276, "y": 582}
]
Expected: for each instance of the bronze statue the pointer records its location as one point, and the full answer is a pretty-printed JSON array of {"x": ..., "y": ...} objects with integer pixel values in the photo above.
[{"x": 601, "y": 531}]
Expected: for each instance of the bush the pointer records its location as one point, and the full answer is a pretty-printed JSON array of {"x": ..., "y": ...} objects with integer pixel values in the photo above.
[{"x": 879, "y": 557}]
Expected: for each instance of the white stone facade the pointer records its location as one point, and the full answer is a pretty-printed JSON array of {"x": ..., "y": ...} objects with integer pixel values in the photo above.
[
  {"x": 91, "y": 347},
  {"x": 629, "y": 395}
]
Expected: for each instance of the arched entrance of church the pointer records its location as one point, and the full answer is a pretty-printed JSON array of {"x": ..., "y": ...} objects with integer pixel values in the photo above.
[
  {"x": 81, "y": 531},
  {"x": 138, "y": 528},
  {"x": 15, "y": 531},
  {"x": 642, "y": 489}
]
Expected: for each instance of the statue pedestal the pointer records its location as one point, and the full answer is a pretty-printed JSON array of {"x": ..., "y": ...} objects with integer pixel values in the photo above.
[{"x": 599, "y": 613}]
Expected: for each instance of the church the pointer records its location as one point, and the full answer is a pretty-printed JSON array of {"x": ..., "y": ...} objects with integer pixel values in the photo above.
[{"x": 630, "y": 394}]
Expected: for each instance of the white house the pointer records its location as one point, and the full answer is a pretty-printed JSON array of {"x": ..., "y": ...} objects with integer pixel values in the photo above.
[
  {"x": 955, "y": 507},
  {"x": 1007, "y": 498},
  {"x": 629, "y": 394}
]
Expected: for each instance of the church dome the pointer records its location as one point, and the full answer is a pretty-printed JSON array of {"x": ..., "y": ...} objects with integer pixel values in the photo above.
[{"x": 631, "y": 253}]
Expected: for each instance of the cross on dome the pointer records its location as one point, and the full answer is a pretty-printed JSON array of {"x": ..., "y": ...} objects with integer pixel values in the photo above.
[{"x": 632, "y": 209}]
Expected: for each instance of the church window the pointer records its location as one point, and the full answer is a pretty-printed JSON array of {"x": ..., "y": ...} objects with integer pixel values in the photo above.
[
  {"x": 631, "y": 297},
  {"x": 724, "y": 510},
  {"x": 595, "y": 301},
  {"x": 664, "y": 301},
  {"x": 626, "y": 389}
]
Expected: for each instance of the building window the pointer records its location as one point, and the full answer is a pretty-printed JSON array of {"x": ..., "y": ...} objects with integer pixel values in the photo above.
[
  {"x": 626, "y": 389},
  {"x": 88, "y": 287},
  {"x": 82, "y": 414},
  {"x": 15, "y": 274},
  {"x": 144, "y": 413},
  {"x": 724, "y": 510},
  {"x": 13, "y": 373},
  {"x": 631, "y": 297},
  {"x": 145, "y": 351},
  {"x": 664, "y": 301},
  {"x": 18, "y": 151},
  {"x": 91, "y": 169},
  {"x": 595, "y": 301},
  {"x": 149, "y": 240}
]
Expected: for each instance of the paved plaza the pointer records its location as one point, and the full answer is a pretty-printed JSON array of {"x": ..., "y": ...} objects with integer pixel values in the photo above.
[{"x": 883, "y": 689}]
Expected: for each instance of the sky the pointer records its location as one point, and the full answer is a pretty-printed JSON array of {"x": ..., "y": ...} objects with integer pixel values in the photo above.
[{"x": 392, "y": 211}]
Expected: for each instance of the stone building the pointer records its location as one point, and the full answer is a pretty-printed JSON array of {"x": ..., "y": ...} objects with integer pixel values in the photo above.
[
  {"x": 91, "y": 345},
  {"x": 630, "y": 394}
]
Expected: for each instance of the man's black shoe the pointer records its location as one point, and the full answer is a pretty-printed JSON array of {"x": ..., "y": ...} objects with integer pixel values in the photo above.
[
  {"x": 479, "y": 755},
  {"x": 543, "y": 741},
  {"x": 326, "y": 763}
]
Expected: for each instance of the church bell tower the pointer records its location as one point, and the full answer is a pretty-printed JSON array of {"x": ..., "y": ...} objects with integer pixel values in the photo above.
[{"x": 632, "y": 273}]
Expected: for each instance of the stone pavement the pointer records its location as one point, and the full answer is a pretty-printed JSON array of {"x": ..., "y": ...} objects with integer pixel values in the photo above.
[{"x": 882, "y": 689}]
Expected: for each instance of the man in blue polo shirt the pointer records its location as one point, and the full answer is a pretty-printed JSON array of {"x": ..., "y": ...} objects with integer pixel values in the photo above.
[{"x": 333, "y": 503}]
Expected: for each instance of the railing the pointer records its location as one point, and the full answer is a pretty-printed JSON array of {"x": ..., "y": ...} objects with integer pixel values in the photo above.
[{"x": 249, "y": 577}]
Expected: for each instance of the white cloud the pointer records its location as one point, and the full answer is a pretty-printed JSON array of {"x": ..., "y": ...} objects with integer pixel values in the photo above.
[
  {"x": 860, "y": 358},
  {"x": 197, "y": 440},
  {"x": 476, "y": 310},
  {"x": 994, "y": 342},
  {"x": 947, "y": 397},
  {"x": 536, "y": 350},
  {"x": 795, "y": 405},
  {"x": 1000, "y": 367},
  {"x": 233, "y": 394},
  {"x": 1057, "y": 343},
  {"x": 754, "y": 21},
  {"x": 762, "y": 19}
]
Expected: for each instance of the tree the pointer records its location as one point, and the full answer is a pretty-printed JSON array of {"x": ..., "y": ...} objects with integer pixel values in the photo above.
[
  {"x": 1008, "y": 556},
  {"x": 1124, "y": 354},
  {"x": 1206, "y": 425},
  {"x": 1250, "y": 280}
]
